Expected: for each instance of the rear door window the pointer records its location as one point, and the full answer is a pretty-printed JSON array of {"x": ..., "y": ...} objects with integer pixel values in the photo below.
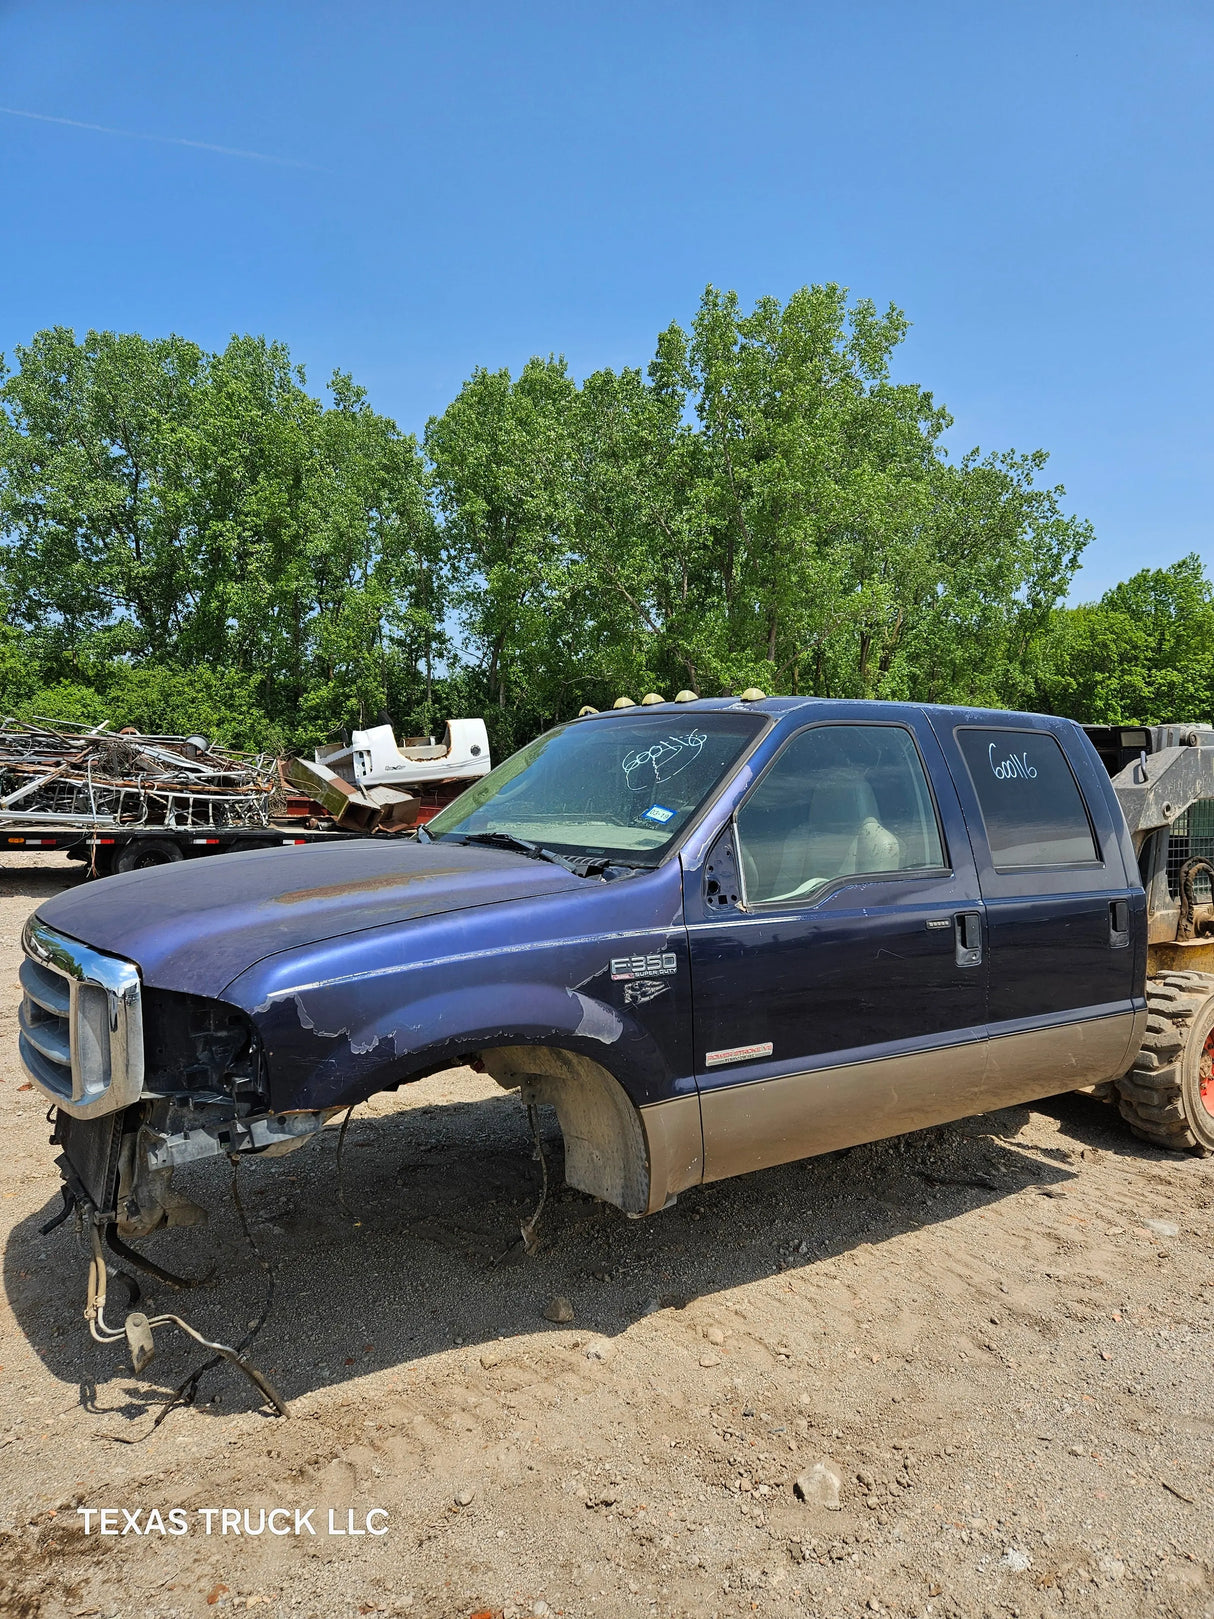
[{"x": 1032, "y": 809}]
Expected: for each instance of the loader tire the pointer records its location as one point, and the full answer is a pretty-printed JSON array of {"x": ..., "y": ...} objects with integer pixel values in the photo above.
[{"x": 1168, "y": 1095}]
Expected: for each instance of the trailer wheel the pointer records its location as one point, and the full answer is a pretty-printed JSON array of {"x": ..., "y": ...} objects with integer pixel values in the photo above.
[
  {"x": 1168, "y": 1096},
  {"x": 145, "y": 852}
]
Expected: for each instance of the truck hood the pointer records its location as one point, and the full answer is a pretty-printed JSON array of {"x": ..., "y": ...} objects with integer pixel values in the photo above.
[{"x": 197, "y": 925}]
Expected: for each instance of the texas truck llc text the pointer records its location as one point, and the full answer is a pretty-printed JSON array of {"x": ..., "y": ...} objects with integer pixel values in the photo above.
[{"x": 231, "y": 1521}]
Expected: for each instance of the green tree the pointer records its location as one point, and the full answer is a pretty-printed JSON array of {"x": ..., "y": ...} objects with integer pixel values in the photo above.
[
  {"x": 92, "y": 441},
  {"x": 503, "y": 455},
  {"x": 853, "y": 558},
  {"x": 171, "y": 508},
  {"x": 765, "y": 507},
  {"x": 1142, "y": 655}
]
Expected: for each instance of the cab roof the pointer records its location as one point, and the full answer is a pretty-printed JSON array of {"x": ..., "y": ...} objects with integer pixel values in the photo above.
[{"x": 776, "y": 708}]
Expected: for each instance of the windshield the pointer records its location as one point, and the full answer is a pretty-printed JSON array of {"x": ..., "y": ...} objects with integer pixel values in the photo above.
[{"x": 622, "y": 788}]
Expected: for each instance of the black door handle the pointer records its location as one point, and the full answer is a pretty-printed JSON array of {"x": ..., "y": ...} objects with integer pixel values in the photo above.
[
  {"x": 1119, "y": 924},
  {"x": 968, "y": 931}
]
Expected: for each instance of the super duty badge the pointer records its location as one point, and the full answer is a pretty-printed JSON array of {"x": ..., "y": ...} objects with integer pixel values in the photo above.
[{"x": 662, "y": 965}]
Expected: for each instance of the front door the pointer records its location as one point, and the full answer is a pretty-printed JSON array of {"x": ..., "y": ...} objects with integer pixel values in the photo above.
[{"x": 840, "y": 984}]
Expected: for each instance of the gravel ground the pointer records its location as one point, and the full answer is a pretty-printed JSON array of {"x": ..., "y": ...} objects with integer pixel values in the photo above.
[{"x": 994, "y": 1338}]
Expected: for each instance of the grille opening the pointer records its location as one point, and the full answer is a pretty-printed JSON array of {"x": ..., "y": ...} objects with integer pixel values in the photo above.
[
  {"x": 81, "y": 1030},
  {"x": 1191, "y": 834},
  {"x": 45, "y": 1025}
]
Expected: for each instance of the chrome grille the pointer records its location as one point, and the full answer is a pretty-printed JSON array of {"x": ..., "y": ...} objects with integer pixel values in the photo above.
[{"x": 81, "y": 1025}]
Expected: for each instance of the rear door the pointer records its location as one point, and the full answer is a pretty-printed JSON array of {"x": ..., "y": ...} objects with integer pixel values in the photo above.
[{"x": 1064, "y": 998}]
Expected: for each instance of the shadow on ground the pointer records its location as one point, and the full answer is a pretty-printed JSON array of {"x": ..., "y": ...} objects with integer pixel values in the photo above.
[
  {"x": 435, "y": 1195},
  {"x": 39, "y": 882}
]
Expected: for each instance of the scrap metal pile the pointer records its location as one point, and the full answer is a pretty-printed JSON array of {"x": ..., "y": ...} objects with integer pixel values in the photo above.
[
  {"x": 359, "y": 809},
  {"x": 61, "y": 774}
]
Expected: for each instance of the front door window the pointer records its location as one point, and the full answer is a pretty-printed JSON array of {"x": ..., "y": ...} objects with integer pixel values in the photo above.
[{"x": 839, "y": 801}]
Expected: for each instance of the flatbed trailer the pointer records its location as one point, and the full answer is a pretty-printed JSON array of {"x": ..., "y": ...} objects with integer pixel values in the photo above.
[
  {"x": 121, "y": 801},
  {"x": 137, "y": 847}
]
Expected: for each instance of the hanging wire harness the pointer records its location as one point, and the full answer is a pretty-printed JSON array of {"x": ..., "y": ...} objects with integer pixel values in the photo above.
[
  {"x": 528, "y": 1231},
  {"x": 138, "y": 1328}
]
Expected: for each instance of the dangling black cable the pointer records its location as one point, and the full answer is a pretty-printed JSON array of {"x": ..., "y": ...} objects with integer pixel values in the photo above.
[
  {"x": 341, "y": 1142},
  {"x": 186, "y": 1392}
]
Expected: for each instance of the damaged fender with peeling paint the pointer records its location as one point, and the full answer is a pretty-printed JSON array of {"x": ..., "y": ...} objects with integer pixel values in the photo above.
[
  {"x": 382, "y": 961},
  {"x": 342, "y": 1018}
]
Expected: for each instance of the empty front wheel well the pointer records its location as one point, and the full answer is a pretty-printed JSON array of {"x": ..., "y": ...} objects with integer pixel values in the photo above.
[{"x": 606, "y": 1150}]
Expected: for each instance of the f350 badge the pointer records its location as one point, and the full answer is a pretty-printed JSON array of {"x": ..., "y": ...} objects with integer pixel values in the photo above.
[{"x": 662, "y": 965}]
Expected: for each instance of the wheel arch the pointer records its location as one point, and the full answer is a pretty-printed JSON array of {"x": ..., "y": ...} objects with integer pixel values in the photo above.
[{"x": 637, "y": 1158}]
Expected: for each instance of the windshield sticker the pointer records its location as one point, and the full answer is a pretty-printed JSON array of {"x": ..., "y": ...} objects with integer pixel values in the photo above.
[
  {"x": 659, "y": 965},
  {"x": 646, "y": 767},
  {"x": 658, "y": 813}
]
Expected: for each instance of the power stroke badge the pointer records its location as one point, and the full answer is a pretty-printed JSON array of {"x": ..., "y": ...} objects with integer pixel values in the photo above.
[
  {"x": 738, "y": 1054},
  {"x": 662, "y": 965}
]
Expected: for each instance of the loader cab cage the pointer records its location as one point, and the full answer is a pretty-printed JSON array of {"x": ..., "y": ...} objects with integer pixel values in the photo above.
[
  {"x": 1191, "y": 834},
  {"x": 1164, "y": 779},
  {"x": 1119, "y": 745}
]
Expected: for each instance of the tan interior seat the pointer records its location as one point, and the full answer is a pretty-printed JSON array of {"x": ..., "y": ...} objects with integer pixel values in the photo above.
[{"x": 832, "y": 830}]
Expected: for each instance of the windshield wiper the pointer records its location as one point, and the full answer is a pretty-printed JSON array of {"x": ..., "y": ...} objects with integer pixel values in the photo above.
[
  {"x": 507, "y": 840},
  {"x": 581, "y": 865}
]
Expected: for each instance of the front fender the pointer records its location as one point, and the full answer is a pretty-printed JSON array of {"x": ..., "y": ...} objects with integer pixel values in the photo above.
[
  {"x": 330, "y": 1045},
  {"x": 371, "y": 1009}
]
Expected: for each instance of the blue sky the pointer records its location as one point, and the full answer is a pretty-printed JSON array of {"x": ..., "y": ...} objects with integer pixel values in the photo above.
[{"x": 472, "y": 183}]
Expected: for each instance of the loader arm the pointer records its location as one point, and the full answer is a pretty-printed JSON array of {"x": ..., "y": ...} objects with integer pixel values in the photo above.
[{"x": 1160, "y": 774}]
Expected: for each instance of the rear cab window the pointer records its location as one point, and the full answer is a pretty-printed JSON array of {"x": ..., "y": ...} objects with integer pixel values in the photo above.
[{"x": 1033, "y": 812}]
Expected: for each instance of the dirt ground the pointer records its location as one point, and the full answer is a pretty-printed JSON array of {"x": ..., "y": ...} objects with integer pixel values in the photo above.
[{"x": 997, "y": 1335}]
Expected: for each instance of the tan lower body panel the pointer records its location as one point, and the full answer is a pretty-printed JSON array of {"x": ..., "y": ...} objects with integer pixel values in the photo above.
[
  {"x": 1044, "y": 1062},
  {"x": 775, "y": 1121},
  {"x": 676, "y": 1147}
]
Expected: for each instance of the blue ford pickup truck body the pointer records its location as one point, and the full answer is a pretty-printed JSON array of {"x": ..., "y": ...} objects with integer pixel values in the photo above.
[{"x": 872, "y": 917}]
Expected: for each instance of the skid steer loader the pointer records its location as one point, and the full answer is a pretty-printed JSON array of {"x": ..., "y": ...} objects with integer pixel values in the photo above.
[{"x": 1163, "y": 776}]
